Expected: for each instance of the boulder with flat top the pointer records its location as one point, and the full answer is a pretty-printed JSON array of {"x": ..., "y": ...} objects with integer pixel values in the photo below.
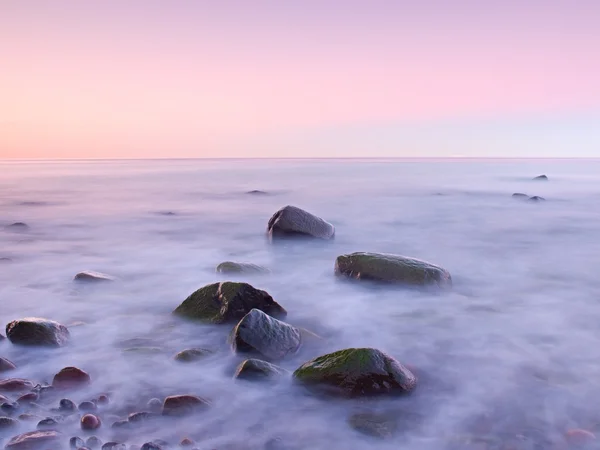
[
  {"x": 34, "y": 331},
  {"x": 291, "y": 221}
]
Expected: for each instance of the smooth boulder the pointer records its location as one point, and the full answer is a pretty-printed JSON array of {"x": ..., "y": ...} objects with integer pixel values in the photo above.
[
  {"x": 265, "y": 335},
  {"x": 92, "y": 277},
  {"x": 391, "y": 268},
  {"x": 291, "y": 221},
  {"x": 33, "y": 331},
  {"x": 34, "y": 440},
  {"x": 255, "y": 369},
  {"x": 357, "y": 372},
  {"x": 15, "y": 385},
  {"x": 6, "y": 365},
  {"x": 71, "y": 377},
  {"x": 237, "y": 267},
  {"x": 227, "y": 302}
]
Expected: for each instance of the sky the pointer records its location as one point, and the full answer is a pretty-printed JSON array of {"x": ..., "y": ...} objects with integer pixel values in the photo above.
[{"x": 312, "y": 78}]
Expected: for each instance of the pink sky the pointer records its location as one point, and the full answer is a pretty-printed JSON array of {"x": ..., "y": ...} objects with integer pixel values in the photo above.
[{"x": 254, "y": 78}]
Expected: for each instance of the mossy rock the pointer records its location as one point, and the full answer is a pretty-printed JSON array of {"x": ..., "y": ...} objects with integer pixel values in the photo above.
[
  {"x": 226, "y": 302},
  {"x": 33, "y": 331},
  {"x": 192, "y": 354},
  {"x": 391, "y": 268},
  {"x": 291, "y": 221},
  {"x": 357, "y": 372},
  {"x": 255, "y": 370},
  {"x": 259, "y": 333},
  {"x": 236, "y": 267}
]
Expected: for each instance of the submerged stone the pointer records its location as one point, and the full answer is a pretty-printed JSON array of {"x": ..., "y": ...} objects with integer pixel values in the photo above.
[
  {"x": 255, "y": 369},
  {"x": 291, "y": 221},
  {"x": 257, "y": 192},
  {"x": 91, "y": 276},
  {"x": 265, "y": 335},
  {"x": 192, "y": 354},
  {"x": 6, "y": 423},
  {"x": 18, "y": 226},
  {"x": 375, "y": 425},
  {"x": 520, "y": 195},
  {"x": 226, "y": 302},
  {"x": 34, "y": 440},
  {"x": 391, "y": 268},
  {"x": 33, "y": 331},
  {"x": 357, "y": 372},
  {"x": 536, "y": 198},
  {"x": 15, "y": 385},
  {"x": 6, "y": 365},
  {"x": 178, "y": 405},
  {"x": 541, "y": 178},
  {"x": 240, "y": 267}
]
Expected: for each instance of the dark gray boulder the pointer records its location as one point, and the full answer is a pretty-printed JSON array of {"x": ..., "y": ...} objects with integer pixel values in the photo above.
[
  {"x": 226, "y": 302},
  {"x": 391, "y": 268},
  {"x": 265, "y": 335},
  {"x": 541, "y": 178},
  {"x": 33, "y": 331},
  {"x": 357, "y": 372},
  {"x": 6, "y": 423},
  {"x": 255, "y": 370},
  {"x": 291, "y": 221}
]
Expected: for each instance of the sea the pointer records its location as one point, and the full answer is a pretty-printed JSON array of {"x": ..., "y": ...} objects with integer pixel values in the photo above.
[{"x": 506, "y": 359}]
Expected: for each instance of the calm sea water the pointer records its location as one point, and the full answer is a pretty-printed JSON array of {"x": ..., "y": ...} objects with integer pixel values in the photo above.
[{"x": 511, "y": 354}]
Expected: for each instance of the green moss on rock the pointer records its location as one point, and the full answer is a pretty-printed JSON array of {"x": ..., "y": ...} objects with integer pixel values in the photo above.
[
  {"x": 391, "y": 268},
  {"x": 226, "y": 302},
  {"x": 237, "y": 267},
  {"x": 356, "y": 372}
]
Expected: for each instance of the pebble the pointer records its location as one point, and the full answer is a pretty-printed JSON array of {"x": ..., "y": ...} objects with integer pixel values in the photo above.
[
  {"x": 34, "y": 439},
  {"x": 186, "y": 442},
  {"x": 103, "y": 400},
  {"x": 93, "y": 442},
  {"x": 67, "y": 405},
  {"x": 90, "y": 422},
  {"x": 48, "y": 422},
  {"x": 6, "y": 365},
  {"x": 9, "y": 408},
  {"x": 70, "y": 377},
  {"x": 15, "y": 385},
  {"x": 87, "y": 406},
  {"x": 176, "y": 405},
  {"x": 28, "y": 398},
  {"x": 76, "y": 442},
  {"x": 114, "y": 446}
]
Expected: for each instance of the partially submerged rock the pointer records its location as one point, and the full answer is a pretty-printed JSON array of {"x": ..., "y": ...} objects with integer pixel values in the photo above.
[
  {"x": 6, "y": 365},
  {"x": 91, "y": 276},
  {"x": 291, "y": 221},
  {"x": 520, "y": 195},
  {"x": 237, "y": 267},
  {"x": 536, "y": 198},
  {"x": 371, "y": 424},
  {"x": 265, "y": 335},
  {"x": 541, "y": 178},
  {"x": 15, "y": 385},
  {"x": 18, "y": 226},
  {"x": 257, "y": 192},
  {"x": 90, "y": 422},
  {"x": 255, "y": 369},
  {"x": 357, "y": 372},
  {"x": 35, "y": 331},
  {"x": 6, "y": 423},
  {"x": 178, "y": 405},
  {"x": 34, "y": 440},
  {"x": 71, "y": 377},
  {"x": 391, "y": 268},
  {"x": 192, "y": 354},
  {"x": 226, "y": 302}
]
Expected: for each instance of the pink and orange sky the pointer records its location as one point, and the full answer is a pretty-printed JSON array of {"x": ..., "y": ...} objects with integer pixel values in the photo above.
[{"x": 259, "y": 78}]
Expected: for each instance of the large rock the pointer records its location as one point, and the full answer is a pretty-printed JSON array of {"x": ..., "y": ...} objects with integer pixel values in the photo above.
[
  {"x": 291, "y": 221},
  {"x": 15, "y": 385},
  {"x": 37, "y": 332},
  {"x": 265, "y": 335},
  {"x": 237, "y": 267},
  {"x": 179, "y": 405},
  {"x": 356, "y": 372},
  {"x": 226, "y": 302},
  {"x": 35, "y": 440},
  {"x": 92, "y": 277},
  {"x": 6, "y": 365},
  {"x": 71, "y": 377},
  {"x": 255, "y": 369},
  {"x": 391, "y": 268}
]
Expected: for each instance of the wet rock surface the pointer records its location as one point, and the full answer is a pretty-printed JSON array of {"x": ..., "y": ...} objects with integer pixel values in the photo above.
[
  {"x": 541, "y": 178},
  {"x": 291, "y": 221},
  {"x": 6, "y": 365},
  {"x": 376, "y": 425},
  {"x": 33, "y": 331},
  {"x": 71, "y": 377},
  {"x": 256, "y": 370},
  {"x": 226, "y": 302},
  {"x": 15, "y": 385},
  {"x": 34, "y": 440},
  {"x": 241, "y": 267},
  {"x": 192, "y": 354},
  {"x": 180, "y": 405}
]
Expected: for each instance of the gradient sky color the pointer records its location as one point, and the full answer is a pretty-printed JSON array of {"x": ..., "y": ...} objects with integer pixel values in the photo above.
[{"x": 258, "y": 78}]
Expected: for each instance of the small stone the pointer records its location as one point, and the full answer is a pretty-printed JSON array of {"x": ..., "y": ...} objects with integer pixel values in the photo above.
[
  {"x": 375, "y": 425},
  {"x": 90, "y": 422},
  {"x": 15, "y": 385},
  {"x": 241, "y": 267},
  {"x": 87, "y": 406},
  {"x": 520, "y": 195},
  {"x": 2, "y": 337},
  {"x": 66, "y": 405},
  {"x": 255, "y": 369},
  {"x": 46, "y": 423},
  {"x": 186, "y": 442},
  {"x": 33, "y": 331},
  {"x": 29, "y": 418},
  {"x": 76, "y": 442},
  {"x": 21, "y": 226},
  {"x": 93, "y": 442},
  {"x": 541, "y": 178},
  {"x": 28, "y": 398},
  {"x": 155, "y": 405},
  {"x": 141, "y": 416},
  {"x": 536, "y": 198},
  {"x": 291, "y": 221},
  {"x": 6, "y": 365},
  {"x": 34, "y": 440},
  {"x": 579, "y": 437},
  {"x": 257, "y": 192},
  {"x": 90, "y": 276},
  {"x": 177, "y": 405},
  {"x": 120, "y": 424},
  {"x": 9, "y": 408},
  {"x": 70, "y": 377},
  {"x": 103, "y": 400},
  {"x": 6, "y": 423},
  {"x": 192, "y": 354},
  {"x": 114, "y": 446}
]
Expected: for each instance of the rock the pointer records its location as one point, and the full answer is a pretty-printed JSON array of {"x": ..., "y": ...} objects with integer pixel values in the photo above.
[
  {"x": 2, "y": 337},
  {"x": 15, "y": 385},
  {"x": 259, "y": 333},
  {"x": 357, "y": 372},
  {"x": 34, "y": 440},
  {"x": 18, "y": 226},
  {"x": 255, "y": 369},
  {"x": 90, "y": 422},
  {"x": 143, "y": 416},
  {"x": 257, "y": 192},
  {"x": 47, "y": 423},
  {"x": 103, "y": 400},
  {"x": 178, "y": 405},
  {"x": 34, "y": 331},
  {"x": 291, "y": 221},
  {"x": 144, "y": 350},
  {"x": 520, "y": 195},
  {"x": 93, "y": 442},
  {"x": 6, "y": 423},
  {"x": 240, "y": 267},
  {"x": 70, "y": 377},
  {"x": 90, "y": 276},
  {"x": 121, "y": 424},
  {"x": 28, "y": 398},
  {"x": 9, "y": 408},
  {"x": 29, "y": 417},
  {"x": 87, "y": 406},
  {"x": 185, "y": 442},
  {"x": 6, "y": 365},
  {"x": 155, "y": 405},
  {"x": 391, "y": 268},
  {"x": 152, "y": 446},
  {"x": 114, "y": 446},
  {"x": 76, "y": 442},
  {"x": 192, "y": 354},
  {"x": 226, "y": 302},
  {"x": 535, "y": 198},
  {"x": 376, "y": 425},
  {"x": 541, "y": 178}
]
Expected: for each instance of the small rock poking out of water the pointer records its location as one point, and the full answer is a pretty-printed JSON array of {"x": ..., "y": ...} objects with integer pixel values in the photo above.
[
  {"x": 391, "y": 268},
  {"x": 541, "y": 178},
  {"x": 375, "y": 425},
  {"x": 357, "y": 372},
  {"x": 47, "y": 423},
  {"x": 180, "y": 405},
  {"x": 28, "y": 398},
  {"x": 291, "y": 221},
  {"x": 257, "y": 192},
  {"x": 2, "y": 337},
  {"x": 33, "y": 331},
  {"x": 259, "y": 333},
  {"x": 18, "y": 226},
  {"x": 87, "y": 406},
  {"x": 185, "y": 442},
  {"x": 67, "y": 406},
  {"x": 520, "y": 195},
  {"x": 93, "y": 442},
  {"x": 114, "y": 446},
  {"x": 580, "y": 438},
  {"x": 6, "y": 365},
  {"x": 15, "y": 385},
  {"x": 237, "y": 267},
  {"x": 192, "y": 354},
  {"x": 35, "y": 440},
  {"x": 89, "y": 276},
  {"x": 535, "y": 198},
  {"x": 71, "y": 377},
  {"x": 227, "y": 302},
  {"x": 90, "y": 422},
  {"x": 256, "y": 370},
  {"x": 6, "y": 423},
  {"x": 76, "y": 442}
]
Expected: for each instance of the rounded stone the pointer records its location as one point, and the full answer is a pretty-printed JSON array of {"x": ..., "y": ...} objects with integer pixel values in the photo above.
[
  {"x": 90, "y": 422},
  {"x": 178, "y": 405},
  {"x": 70, "y": 377}
]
